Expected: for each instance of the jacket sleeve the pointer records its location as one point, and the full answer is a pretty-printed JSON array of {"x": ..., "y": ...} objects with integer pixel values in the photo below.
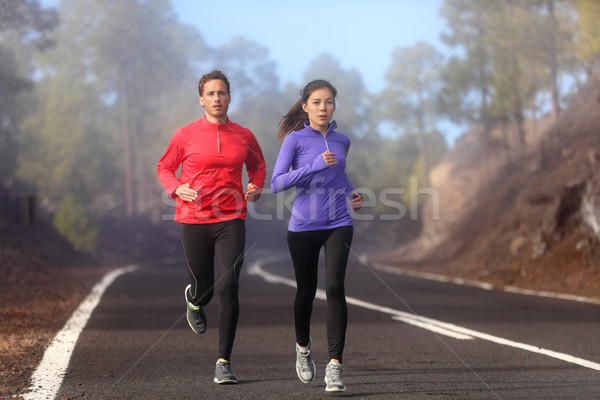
[
  {"x": 283, "y": 178},
  {"x": 347, "y": 184},
  {"x": 255, "y": 163},
  {"x": 169, "y": 163},
  {"x": 348, "y": 188}
]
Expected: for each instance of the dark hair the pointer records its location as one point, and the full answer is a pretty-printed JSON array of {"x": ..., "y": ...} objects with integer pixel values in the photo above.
[
  {"x": 296, "y": 117},
  {"x": 216, "y": 74}
]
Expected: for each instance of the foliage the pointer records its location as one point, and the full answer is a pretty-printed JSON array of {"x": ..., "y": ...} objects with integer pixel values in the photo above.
[
  {"x": 247, "y": 67},
  {"x": 71, "y": 221},
  {"x": 410, "y": 101},
  {"x": 62, "y": 148},
  {"x": 588, "y": 40},
  {"x": 466, "y": 78},
  {"x": 513, "y": 53},
  {"x": 24, "y": 29},
  {"x": 85, "y": 121}
]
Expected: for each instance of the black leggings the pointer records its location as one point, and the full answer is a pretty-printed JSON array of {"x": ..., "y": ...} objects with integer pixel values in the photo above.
[
  {"x": 304, "y": 249},
  {"x": 201, "y": 244}
]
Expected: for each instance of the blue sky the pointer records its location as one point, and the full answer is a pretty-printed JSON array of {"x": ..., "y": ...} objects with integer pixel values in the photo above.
[{"x": 361, "y": 35}]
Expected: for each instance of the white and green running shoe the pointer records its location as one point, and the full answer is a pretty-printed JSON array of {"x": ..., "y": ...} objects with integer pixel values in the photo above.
[
  {"x": 305, "y": 366},
  {"x": 333, "y": 378}
]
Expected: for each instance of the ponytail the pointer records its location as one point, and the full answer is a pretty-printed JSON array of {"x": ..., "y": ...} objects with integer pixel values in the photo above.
[{"x": 292, "y": 121}]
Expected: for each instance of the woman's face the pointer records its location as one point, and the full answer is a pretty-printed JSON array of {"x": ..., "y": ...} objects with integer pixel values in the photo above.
[{"x": 320, "y": 107}]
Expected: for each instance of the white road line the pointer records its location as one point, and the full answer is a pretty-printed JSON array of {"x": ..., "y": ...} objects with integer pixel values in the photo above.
[
  {"x": 48, "y": 376},
  {"x": 481, "y": 285},
  {"x": 433, "y": 325}
]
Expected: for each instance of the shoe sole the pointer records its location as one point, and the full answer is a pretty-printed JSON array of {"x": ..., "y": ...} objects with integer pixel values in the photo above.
[
  {"x": 199, "y": 331},
  {"x": 225, "y": 381},
  {"x": 335, "y": 390}
]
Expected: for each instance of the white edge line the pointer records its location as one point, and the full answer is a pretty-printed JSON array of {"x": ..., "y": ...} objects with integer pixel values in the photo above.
[
  {"x": 415, "y": 322},
  {"x": 445, "y": 328},
  {"x": 481, "y": 285},
  {"x": 48, "y": 376}
]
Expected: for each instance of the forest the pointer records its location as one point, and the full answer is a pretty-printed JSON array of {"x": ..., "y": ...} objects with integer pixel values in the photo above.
[{"x": 91, "y": 94}]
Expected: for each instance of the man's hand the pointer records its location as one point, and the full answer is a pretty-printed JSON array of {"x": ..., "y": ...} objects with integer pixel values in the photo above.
[
  {"x": 185, "y": 193},
  {"x": 253, "y": 193}
]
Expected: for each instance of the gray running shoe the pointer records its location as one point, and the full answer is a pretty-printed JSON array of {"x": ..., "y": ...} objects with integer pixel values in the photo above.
[
  {"x": 224, "y": 373},
  {"x": 333, "y": 378},
  {"x": 305, "y": 366},
  {"x": 195, "y": 314}
]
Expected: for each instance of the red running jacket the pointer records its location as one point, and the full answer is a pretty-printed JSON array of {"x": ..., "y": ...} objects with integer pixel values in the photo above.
[{"x": 211, "y": 158}]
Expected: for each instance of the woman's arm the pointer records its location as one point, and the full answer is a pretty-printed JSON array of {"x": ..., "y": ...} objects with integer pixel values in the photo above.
[{"x": 283, "y": 178}]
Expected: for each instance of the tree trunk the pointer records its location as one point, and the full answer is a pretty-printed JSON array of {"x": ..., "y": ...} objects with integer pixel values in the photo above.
[
  {"x": 517, "y": 103},
  {"x": 424, "y": 156},
  {"x": 483, "y": 87},
  {"x": 140, "y": 171},
  {"x": 126, "y": 141},
  {"x": 553, "y": 64}
]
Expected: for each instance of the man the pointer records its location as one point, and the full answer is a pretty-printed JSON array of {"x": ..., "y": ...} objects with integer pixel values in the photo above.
[{"x": 211, "y": 207}]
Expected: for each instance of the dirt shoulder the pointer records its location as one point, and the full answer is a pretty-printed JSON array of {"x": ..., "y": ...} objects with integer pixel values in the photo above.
[
  {"x": 42, "y": 281},
  {"x": 37, "y": 299}
]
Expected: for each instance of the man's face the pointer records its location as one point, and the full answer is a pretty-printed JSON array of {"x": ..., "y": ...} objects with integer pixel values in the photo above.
[{"x": 215, "y": 101}]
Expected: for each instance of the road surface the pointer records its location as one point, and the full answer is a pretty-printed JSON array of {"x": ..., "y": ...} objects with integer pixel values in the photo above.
[{"x": 407, "y": 338}]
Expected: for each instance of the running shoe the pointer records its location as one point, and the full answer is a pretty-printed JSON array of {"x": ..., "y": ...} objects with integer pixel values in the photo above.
[
  {"x": 195, "y": 314},
  {"x": 224, "y": 373},
  {"x": 305, "y": 366},
  {"x": 333, "y": 378}
]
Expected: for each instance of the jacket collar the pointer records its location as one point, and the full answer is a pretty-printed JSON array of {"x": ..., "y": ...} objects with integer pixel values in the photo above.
[
  {"x": 205, "y": 121},
  {"x": 331, "y": 128}
]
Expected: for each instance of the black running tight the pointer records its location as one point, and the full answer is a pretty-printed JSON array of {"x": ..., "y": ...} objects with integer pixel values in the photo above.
[
  {"x": 304, "y": 249},
  {"x": 201, "y": 244}
]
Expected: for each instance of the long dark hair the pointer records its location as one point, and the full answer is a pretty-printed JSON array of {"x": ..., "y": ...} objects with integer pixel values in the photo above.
[{"x": 295, "y": 118}]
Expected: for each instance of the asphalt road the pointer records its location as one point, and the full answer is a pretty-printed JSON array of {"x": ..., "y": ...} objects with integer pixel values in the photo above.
[{"x": 407, "y": 338}]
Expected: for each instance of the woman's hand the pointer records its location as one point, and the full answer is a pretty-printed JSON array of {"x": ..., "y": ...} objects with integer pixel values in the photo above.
[
  {"x": 253, "y": 193},
  {"x": 185, "y": 193},
  {"x": 329, "y": 158},
  {"x": 357, "y": 201}
]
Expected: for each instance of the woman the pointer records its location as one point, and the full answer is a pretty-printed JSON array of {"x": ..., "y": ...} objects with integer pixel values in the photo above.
[
  {"x": 316, "y": 154},
  {"x": 211, "y": 207}
]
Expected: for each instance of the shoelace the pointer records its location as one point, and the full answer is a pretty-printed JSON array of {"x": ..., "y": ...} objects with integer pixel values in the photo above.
[
  {"x": 196, "y": 310},
  {"x": 304, "y": 360},
  {"x": 224, "y": 367},
  {"x": 335, "y": 373},
  {"x": 198, "y": 314}
]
